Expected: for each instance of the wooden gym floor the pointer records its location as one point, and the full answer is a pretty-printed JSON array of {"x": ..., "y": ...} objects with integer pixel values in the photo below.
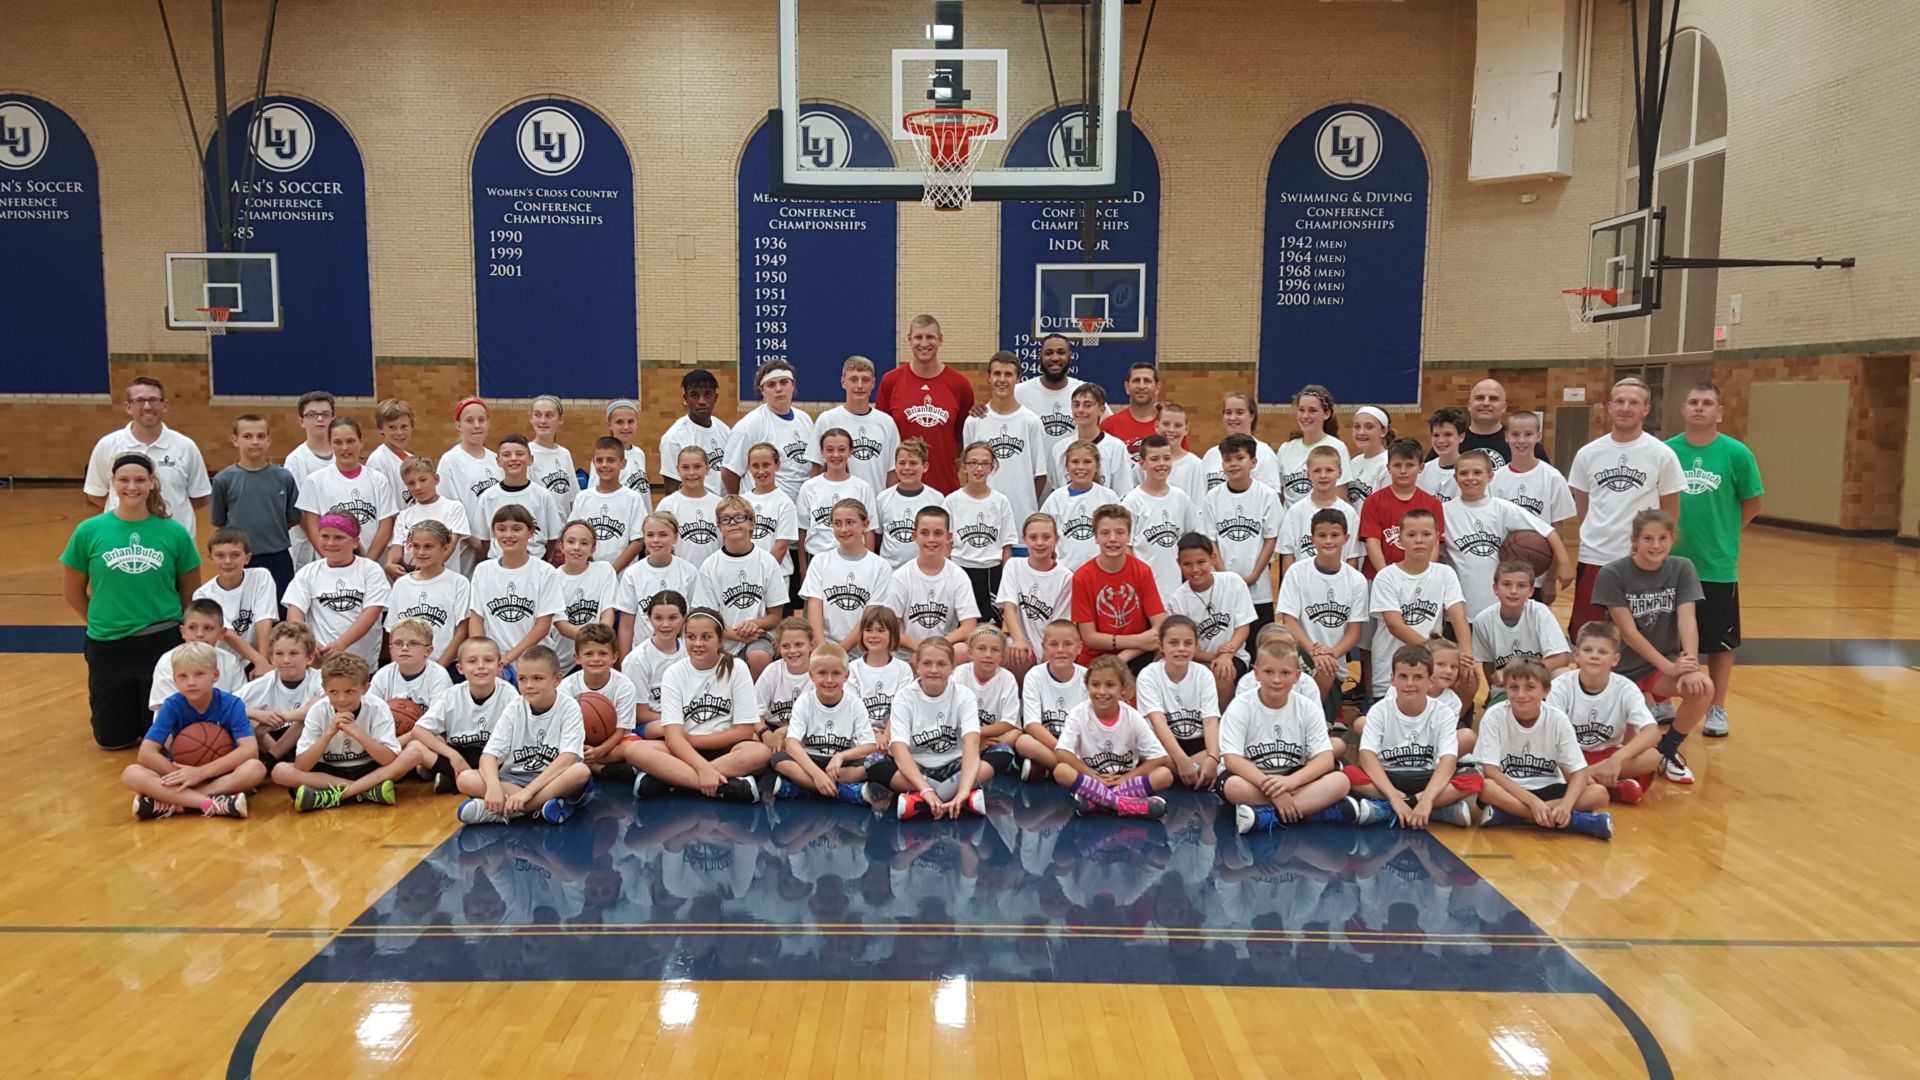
[{"x": 1759, "y": 925}]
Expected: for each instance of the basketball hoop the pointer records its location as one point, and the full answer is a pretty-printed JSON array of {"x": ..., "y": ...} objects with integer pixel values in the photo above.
[
  {"x": 216, "y": 320},
  {"x": 1090, "y": 330},
  {"x": 944, "y": 139},
  {"x": 1580, "y": 305}
]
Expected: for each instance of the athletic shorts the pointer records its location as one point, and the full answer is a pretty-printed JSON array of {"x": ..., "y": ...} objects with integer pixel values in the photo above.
[
  {"x": 1549, "y": 793},
  {"x": 1412, "y": 784},
  {"x": 1595, "y": 757},
  {"x": 518, "y": 778},
  {"x": 348, "y": 773},
  {"x": 1195, "y": 745},
  {"x": 945, "y": 779},
  {"x": 1584, "y": 609},
  {"x": 819, "y": 762},
  {"x": 764, "y": 644},
  {"x": 1646, "y": 684},
  {"x": 1718, "y": 617}
]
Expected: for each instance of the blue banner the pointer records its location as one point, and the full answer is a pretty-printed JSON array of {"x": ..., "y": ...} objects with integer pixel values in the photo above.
[
  {"x": 819, "y": 281},
  {"x": 53, "y": 293},
  {"x": 1344, "y": 266},
  {"x": 1048, "y": 283},
  {"x": 299, "y": 191},
  {"x": 553, "y": 255}
]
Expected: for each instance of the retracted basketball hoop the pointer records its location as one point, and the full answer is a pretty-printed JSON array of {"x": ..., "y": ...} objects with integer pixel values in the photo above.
[
  {"x": 1583, "y": 304},
  {"x": 216, "y": 320},
  {"x": 944, "y": 139}
]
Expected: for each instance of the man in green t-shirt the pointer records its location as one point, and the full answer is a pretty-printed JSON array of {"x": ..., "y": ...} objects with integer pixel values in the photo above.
[{"x": 1721, "y": 497}]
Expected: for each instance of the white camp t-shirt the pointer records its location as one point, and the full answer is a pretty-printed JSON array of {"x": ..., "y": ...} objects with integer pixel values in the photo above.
[
  {"x": 845, "y": 586},
  {"x": 548, "y": 519},
  {"x": 270, "y": 692},
  {"x": 1291, "y": 458},
  {"x": 332, "y": 597},
  {"x": 825, "y": 730},
  {"x": 527, "y": 741},
  {"x": 792, "y": 435},
  {"x": 897, "y": 510},
  {"x": 1326, "y": 604},
  {"x": 775, "y": 518},
  {"x": 684, "y": 433},
  {"x": 1159, "y": 521},
  {"x": 510, "y": 601},
  {"x": 365, "y": 497},
  {"x": 232, "y": 676},
  {"x": 740, "y": 587},
  {"x": 1116, "y": 464},
  {"x": 1109, "y": 750},
  {"x": 373, "y": 717},
  {"x": 777, "y": 689},
  {"x": 875, "y": 441},
  {"x": 645, "y": 666},
  {"x": 1046, "y": 701},
  {"x": 707, "y": 702},
  {"x": 1038, "y": 596},
  {"x": 699, "y": 524},
  {"x": 1366, "y": 474},
  {"x": 1620, "y": 479},
  {"x": 1420, "y": 599},
  {"x": 999, "y": 696},
  {"x": 1240, "y": 523},
  {"x": 1188, "y": 476},
  {"x": 256, "y": 601},
  {"x": 1604, "y": 719},
  {"x": 301, "y": 461},
  {"x": 615, "y": 517},
  {"x": 553, "y": 469},
  {"x": 1187, "y": 704},
  {"x": 1437, "y": 480},
  {"x": 1411, "y": 744},
  {"x": 1296, "y": 532},
  {"x": 464, "y": 477},
  {"x": 633, "y": 474},
  {"x": 1072, "y": 513},
  {"x": 1266, "y": 467},
  {"x": 583, "y": 597},
  {"x": 466, "y": 724},
  {"x": 1019, "y": 444},
  {"x": 815, "y": 509},
  {"x": 1275, "y": 741},
  {"x": 387, "y": 463},
  {"x": 1226, "y": 606},
  {"x": 876, "y": 687},
  {"x": 934, "y": 728},
  {"x": 982, "y": 528},
  {"x": 930, "y": 605},
  {"x": 1536, "y": 635},
  {"x": 176, "y": 461},
  {"x": 641, "y": 581},
  {"x": 446, "y": 511},
  {"x": 1540, "y": 491},
  {"x": 441, "y": 602},
  {"x": 390, "y": 682},
  {"x": 619, "y": 690},
  {"x": 1534, "y": 757},
  {"x": 1475, "y": 533}
]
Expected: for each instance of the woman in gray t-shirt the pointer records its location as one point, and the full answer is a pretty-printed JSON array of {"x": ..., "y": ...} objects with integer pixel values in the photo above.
[{"x": 1651, "y": 596}]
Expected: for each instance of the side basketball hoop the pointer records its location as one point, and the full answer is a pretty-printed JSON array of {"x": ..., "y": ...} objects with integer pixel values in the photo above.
[
  {"x": 216, "y": 320},
  {"x": 944, "y": 140},
  {"x": 1090, "y": 330},
  {"x": 1582, "y": 304}
]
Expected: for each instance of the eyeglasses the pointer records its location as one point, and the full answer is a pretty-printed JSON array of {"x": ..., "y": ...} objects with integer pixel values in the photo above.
[
  {"x": 146, "y": 401},
  {"x": 736, "y": 519},
  {"x": 316, "y": 416}
]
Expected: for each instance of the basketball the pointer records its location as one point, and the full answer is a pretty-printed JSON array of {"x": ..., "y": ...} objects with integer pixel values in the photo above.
[
  {"x": 1529, "y": 547},
  {"x": 599, "y": 716},
  {"x": 201, "y": 744},
  {"x": 406, "y": 712}
]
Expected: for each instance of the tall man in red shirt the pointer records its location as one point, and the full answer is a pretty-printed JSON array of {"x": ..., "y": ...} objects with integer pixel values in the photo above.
[
  {"x": 1115, "y": 601},
  {"x": 929, "y": 401}
]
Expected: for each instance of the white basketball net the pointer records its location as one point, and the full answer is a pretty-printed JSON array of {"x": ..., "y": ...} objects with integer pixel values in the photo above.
[
  {"x": 944, "y": 147},
  {"x": 1581, "y": 305}
]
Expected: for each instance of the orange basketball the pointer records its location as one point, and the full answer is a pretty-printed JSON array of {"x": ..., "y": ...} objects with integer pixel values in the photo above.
[
  {"x": 599, "y": 716},
  {"x": 201, "y": 743},
  {"x": 1529, "y": 547},
  {"x": 405, "y": 712}
]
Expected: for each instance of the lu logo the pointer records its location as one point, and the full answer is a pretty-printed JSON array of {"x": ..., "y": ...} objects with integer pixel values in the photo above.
[
  {"x": 1350, "y": 150},
  {"x": 553, "y": 146},
  {"x": 18, "y": 141},
  {"x": 284, "y": 142}
]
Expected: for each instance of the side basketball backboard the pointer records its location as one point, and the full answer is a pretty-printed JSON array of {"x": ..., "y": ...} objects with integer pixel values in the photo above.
[
  {"x": 245, "y": 284},
  {"x": 1622, "y": 252},
  {"x": 1007, "y": 60}
]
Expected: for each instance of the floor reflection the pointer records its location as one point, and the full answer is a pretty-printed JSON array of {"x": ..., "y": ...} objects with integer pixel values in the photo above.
[{"x": 691, "y": 889}]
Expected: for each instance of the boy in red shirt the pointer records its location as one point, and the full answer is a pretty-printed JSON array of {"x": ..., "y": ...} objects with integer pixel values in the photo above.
[
  {"x": 1115, "y": 601},
  {"x": 1380, "y": 515}
]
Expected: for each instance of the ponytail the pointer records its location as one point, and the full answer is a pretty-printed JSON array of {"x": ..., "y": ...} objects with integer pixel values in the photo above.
[{"x": 724, "y": 665}]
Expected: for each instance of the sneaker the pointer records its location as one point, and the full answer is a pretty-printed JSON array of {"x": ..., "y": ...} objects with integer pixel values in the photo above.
[
  {"x": 443, "y": 784},
  {"x": 1675, "y": 770},
  {"x": 740, "y": 789},
  {"x": 878, "y": 796},
  {"x": 234, "y": 805},
  {"x": 1496, "y": 816},
  {"x": 1248, "y": 819},
  {"x": 1628, "y": 792},
  {"x": 152, "y": 809},
  {"x": 976, "y": 802},
  {"x": 850, "y": 794},
  {"x": 1081, "y": 807},
  {"x": 556, "y": 811},
  {"x": 1345, "y": 811},
  {"x": 646, "y": 787},
  {"x": 1027, "y": 768},
  {"x": 475, "y": 812},
  {"x": 1664, "y": 712},
  {"x": 784, "y": 788},
  {"x": 1458, "y": 815},
  {"x": 1371, "y": 812},
  {"x": 909, "y": 805},
  {"x": 1588, "y": 823},
  {"x": 1153, "y": 807},
  {"x": 1716, "y": 725},
  {"x": 306, "y": 798},
  {"x": 382, "y": 794}
]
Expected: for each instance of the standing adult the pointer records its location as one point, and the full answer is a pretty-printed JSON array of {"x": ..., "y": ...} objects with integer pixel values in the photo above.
[
  {"x": 177, "y": 464},
  {"x": 1141, "y": 417},
  {"x": 1721, "y": 497},
  {"x": 1050, "y": 396},
  {"x": 1487, "y": 424},
  {"x": 1615, "y": 477},
  {"x": 929, "y": 401},
  {"x": 129, "y": 573}
]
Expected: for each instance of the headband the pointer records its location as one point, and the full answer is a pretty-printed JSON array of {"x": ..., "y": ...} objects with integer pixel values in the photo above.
[
  {"x": 623, "y": 403},
  {"x": 141, "y": 460},
  {"x": 768, "y": 374},
  {"x": 341, "y": 523},
  {"x": 1378, "y": 416},
  {"x": 464, "y": 402}
]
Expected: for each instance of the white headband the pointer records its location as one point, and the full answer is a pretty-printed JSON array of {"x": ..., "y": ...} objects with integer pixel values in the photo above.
[{"x": 1378, "y": 416}]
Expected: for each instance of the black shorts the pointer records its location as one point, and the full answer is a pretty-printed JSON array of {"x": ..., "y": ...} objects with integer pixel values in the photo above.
[
  {"x": 349, "y": 773},
  {"x": 883, "y": 771},
  {"x": 1194, "y": 746},
  {"x": 1718, "y": 617},
  {"x": 1550, "y": 792},
  {"x": 986, "y": 585},
  {"x": 819, "y": 762}
]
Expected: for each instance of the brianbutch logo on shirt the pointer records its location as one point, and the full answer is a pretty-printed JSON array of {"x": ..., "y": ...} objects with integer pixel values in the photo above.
[
  {"x": 1407, "y": 759},
  {"x": 1278, "y": 754},
  {"x": 342, "y": 598},
  {"x": 1329, "y": 613},
  {"x": 866, "y": 447},
  {"x": 605, "y": 526},
  {"x": 978, "y": 535},
  {"x": 743, "y": 595},
  {"x": 1418, "y": 609},
  {"x": 941, "y": 738},
  {"x": 1528, "y": 765},
  {"x": 928, "y": 614},
  {"x": 1621, "y": 477},
  {"x": 1479, "y": 542},
  {"x": 699, "y": 533},
  {"x": 1238, "y": 528},
  {"x": 847, "y": 597},
  {"x": 705, "y": 708},
  {"x": 511, "y": 608},
  {"x": 432, "y": 614}
]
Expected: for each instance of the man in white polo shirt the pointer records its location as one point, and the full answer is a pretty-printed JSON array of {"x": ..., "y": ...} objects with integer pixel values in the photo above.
[
  {"x": 176, "y": 460},
  {"x": 1615, "y": 477}
]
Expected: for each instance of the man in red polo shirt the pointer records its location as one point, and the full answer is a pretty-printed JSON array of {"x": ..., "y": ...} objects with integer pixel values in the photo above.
[
  {"x": 929, "y": 401},
  {"x": 1115, "y": 601}
]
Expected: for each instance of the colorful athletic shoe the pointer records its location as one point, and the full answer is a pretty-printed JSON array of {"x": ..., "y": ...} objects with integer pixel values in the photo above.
[
  {"x": 1589, "y": 823},
  {"x": 152, "y": 809},
  {"x": 740, "y": 789},
  {"x": 976, "y": 802},
  {"x": 382, "y": 794},
  {"x": 475, "y": 812},
  {"x": 1370, "y": 811},
  {"x": 1458, "y": 815},
  {"x": 1664, "y": 712},
  {"x": 234, "y": 805},
  {"x": 1249, "y": 819},
  {"x": 1497, "y": 816},
  {"x": 1153, "y": 807},
  {"x": 1628, "y": 792},
  {"x": 910, "y": 805},
  {"x": 784, "y": 788},
  {"x": 1345, "y": 811},
  {"x": 1716, "y": 725},
  {"x": 850, "y": 794},
  {"x": 1081, "y": 807},
  {"x": 306, "y": 798},
  {"x": 1675, "y": 769},
  {"x": 557, "y": 811}
]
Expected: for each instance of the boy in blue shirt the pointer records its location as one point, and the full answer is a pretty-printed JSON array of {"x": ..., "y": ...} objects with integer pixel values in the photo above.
[{"x": 217, "y": 789}]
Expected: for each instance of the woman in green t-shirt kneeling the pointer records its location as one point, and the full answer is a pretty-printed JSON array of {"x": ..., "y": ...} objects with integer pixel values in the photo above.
[{"x": 129, "y": 573}]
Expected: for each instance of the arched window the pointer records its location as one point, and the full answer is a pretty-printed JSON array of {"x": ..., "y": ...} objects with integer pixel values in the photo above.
[{"x": 1690, "y": 176}]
